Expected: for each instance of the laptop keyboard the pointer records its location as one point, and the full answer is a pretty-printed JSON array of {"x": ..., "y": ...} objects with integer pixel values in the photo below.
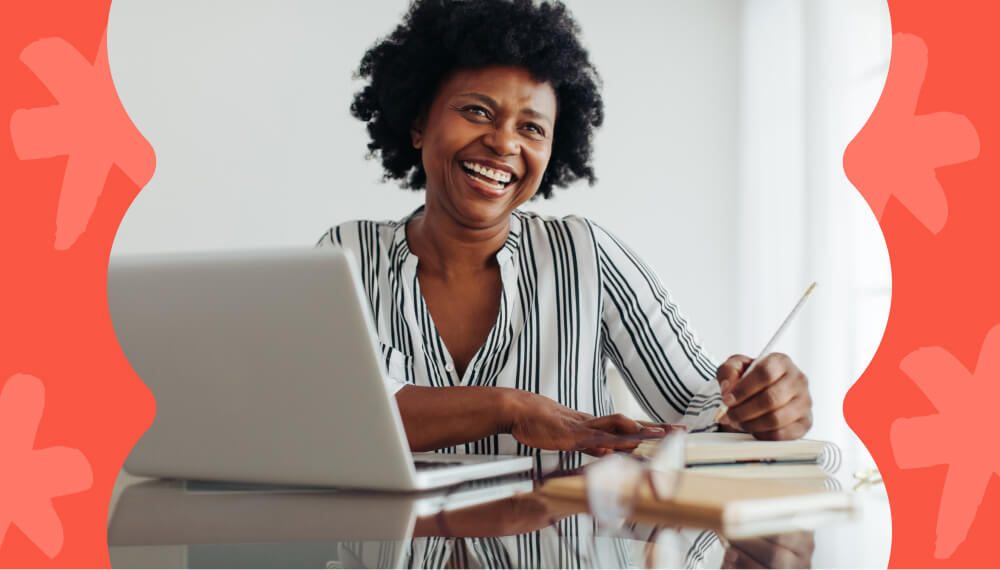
[{"x": 427, "y": 465}]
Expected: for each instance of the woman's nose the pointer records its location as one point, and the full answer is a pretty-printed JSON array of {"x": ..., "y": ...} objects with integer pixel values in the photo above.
[{"x": 502, "y": 140}]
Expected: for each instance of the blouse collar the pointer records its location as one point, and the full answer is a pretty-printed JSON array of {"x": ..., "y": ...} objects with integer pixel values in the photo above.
[{"x": 400, "y": 249}]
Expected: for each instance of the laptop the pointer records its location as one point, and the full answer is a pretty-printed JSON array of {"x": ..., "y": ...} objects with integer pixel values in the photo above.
[
  {"x": 265, "y": 369},
  {"x": 186, "y": 524}
]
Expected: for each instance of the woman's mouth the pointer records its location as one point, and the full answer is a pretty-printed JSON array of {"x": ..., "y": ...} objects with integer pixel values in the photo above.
[{"x": 493, "y": 180}]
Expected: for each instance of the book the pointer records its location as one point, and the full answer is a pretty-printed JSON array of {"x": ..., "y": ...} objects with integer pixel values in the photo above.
[
  {"x": 735, "y": 507},
  {"x": 718, "y": 448},
  {"x": 810, "y": 475}
]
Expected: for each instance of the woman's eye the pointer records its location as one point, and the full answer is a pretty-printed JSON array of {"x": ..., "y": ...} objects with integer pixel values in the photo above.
[
  {"x": 535, "y": 128},
  {"x": 477, "y": 110}
]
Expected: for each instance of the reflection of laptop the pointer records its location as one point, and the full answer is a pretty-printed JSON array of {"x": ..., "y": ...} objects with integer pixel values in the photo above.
[
  {"x": 185, "y": 524},
  {"x": 264, "y": 370}
]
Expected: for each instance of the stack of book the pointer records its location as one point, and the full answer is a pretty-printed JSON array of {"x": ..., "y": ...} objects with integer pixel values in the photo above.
[
  {"x": 804, "y": 462},
  {"x": 738, "y": 486}
]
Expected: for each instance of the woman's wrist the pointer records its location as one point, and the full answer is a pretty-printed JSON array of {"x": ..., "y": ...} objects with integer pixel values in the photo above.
[{"x": 512, "y": 403}]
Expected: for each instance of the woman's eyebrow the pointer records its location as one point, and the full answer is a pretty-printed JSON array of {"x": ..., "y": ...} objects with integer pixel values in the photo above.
[
  {"x": 492, "y": 103},
  {"x": 536, "y": 114}
]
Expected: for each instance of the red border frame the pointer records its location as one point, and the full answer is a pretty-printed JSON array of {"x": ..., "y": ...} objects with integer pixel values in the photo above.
[{"x": 55, "y": 326}]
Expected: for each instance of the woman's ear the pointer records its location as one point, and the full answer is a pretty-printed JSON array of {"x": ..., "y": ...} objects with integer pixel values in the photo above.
[{"x": 417, "y": 133}]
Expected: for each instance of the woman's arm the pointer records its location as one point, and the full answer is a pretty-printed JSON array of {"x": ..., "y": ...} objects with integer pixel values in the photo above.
[
  {"x": 440, "y": 417},
  {"x": 519, "y": 514},
  {"x": 670, "y": 374},
  {"x": 649, "y": 340}
]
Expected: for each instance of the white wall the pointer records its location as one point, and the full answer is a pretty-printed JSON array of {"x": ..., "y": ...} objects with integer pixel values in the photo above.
[
  {"x": 719, "y": 161},
  {"x": 811, "y": 74},
  {"x": 246, "y": 104}
]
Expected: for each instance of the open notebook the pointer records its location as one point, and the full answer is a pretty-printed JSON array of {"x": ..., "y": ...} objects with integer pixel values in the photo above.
[
  {"x": 725, "y": 449},
  {"x": 804, "y": 463}
]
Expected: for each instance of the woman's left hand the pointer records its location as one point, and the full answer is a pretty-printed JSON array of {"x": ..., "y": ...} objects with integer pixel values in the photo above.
[{"x": 771, "y": 402}]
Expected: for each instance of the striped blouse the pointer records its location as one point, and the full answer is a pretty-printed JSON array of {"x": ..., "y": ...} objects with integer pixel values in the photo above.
[{"x": 574, "y": 299}]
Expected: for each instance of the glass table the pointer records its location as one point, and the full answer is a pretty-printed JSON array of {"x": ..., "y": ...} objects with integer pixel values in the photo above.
[{"x": 502, "y": 523}]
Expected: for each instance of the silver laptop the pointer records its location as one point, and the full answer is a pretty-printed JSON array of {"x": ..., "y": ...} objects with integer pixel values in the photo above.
[{"x": 265, "y": 370}]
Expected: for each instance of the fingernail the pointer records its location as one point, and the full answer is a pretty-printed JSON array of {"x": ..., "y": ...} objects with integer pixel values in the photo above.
[
  {"x": 728, "y": 399},
  {"x": 724, "y": 386},
  {"x": 655, "y": 429}
]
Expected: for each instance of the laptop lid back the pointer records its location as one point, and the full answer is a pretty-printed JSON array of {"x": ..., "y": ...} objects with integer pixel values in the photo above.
[{"x": 263, "y": 366}]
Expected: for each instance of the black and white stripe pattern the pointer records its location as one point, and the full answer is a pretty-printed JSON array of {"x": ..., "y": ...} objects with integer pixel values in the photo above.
[
  {"x": 703, "y": 543},
  {"x": 574, "y": 299},
  {"x": 573, "y": 542}
]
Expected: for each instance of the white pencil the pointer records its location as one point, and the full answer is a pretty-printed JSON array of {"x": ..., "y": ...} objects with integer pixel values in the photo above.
[{"x": 770, "y": 344}]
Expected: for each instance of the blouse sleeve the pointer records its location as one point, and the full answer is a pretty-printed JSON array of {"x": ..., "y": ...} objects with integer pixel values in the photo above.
[
  {"x": 650, "y": 342},
  {"x": 394, "y": 374}
]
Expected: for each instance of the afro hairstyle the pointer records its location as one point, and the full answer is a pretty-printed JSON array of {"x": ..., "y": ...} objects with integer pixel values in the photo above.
[{"x": 438, "y": 37}]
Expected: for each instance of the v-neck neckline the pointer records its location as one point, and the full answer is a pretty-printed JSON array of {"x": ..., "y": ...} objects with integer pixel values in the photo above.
[
  {"x": 442, "y": 347},
  {"x": 436, "y": 345}
]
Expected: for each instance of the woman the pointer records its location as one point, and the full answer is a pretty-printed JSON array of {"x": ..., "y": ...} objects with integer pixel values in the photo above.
[{"x": 496, "y": 324}]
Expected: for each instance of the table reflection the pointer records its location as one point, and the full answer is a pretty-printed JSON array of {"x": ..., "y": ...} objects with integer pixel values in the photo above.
[
  {"x": 787, "y": 550},
  {"x": 493, "y": 524}
]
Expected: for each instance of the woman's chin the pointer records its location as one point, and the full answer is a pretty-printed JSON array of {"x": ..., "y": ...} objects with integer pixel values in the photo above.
[
  {"x": 474, "y": 209},
  {"x": 476, "y": 213},
  {"x": 484, "y": 217},
  {"x": 479, "y": 212}
]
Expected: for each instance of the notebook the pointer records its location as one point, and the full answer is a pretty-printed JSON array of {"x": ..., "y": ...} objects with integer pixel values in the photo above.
[
  {"x": 736, "y": 507},
  {"x": 810, "y": 475},
  {"x": 725, "y": 449}
]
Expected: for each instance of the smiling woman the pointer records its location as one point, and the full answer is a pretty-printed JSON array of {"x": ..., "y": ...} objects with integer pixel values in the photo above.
[
  {"x": 496, "y": 324},
  {"x": 488, "y": 131}
]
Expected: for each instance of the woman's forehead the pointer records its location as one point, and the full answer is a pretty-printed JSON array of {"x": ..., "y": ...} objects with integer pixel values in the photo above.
[{"x": 509, "y": 86}]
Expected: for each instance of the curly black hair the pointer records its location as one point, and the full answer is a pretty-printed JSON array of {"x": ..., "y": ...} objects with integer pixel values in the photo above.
[{"x": 439, "y": 37}]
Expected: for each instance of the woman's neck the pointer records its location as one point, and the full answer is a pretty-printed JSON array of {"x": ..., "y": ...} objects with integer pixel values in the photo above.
[{"x": 446, "y": 248}]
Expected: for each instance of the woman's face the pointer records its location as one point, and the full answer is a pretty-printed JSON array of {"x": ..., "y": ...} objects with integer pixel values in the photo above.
[{"x": 485, "y": 143}]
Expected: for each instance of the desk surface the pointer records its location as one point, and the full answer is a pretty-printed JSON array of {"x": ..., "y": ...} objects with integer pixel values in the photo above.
[{"x": 197, "y": 525}]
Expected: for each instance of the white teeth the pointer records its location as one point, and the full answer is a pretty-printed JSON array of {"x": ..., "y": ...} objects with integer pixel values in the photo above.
[
  {"x": 493, "y": 186},
  {"x": 498, "y": 175}
]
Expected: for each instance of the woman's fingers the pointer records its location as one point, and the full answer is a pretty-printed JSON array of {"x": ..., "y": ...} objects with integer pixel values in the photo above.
[
  {"x": 783, "y": 416},
  {"x": 793, "y": 431},
  {"x": 772, "y": 401},
  {"x": 664, "y": 426},
  {"x": 546, "y": 424},
  {"x": 616, "y": 423},
  {"x": 794, "y": 550},
  {"x": 801, "y": 542},
  {"x": 616, "y": 432},
  {"x": 598, "y": 451},
  {"x": 736, "y": 558},
  {"x": 777, "y": 395},
  {"x": 766, "y": 372},
  {"x": 730, "y": 371},
  {"x": 597, "y": 439}
]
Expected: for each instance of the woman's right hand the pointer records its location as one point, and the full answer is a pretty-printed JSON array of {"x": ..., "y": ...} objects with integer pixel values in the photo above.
[
  {"x": 540, "y": 422},
  {"x": 788, "y": 550}
]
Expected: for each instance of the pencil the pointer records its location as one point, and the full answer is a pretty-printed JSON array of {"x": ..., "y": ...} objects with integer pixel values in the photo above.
[{"x": 770, "y": 344}]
